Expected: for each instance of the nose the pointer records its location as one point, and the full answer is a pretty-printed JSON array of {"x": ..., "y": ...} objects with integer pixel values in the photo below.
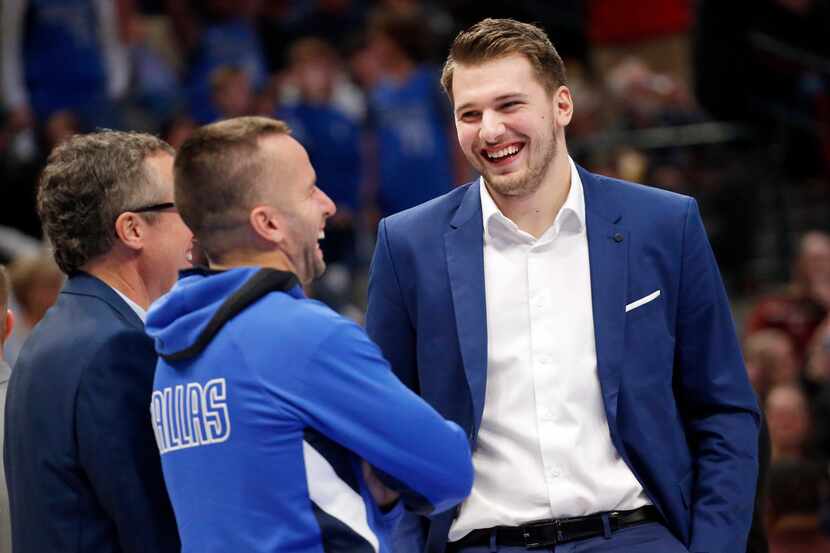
[
  {"x": 492, "y": 127},
  {"x": 329, "y": 208}
]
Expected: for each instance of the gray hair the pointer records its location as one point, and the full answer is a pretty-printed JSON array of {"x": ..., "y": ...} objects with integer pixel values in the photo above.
[{"x": 89, "y": 180}]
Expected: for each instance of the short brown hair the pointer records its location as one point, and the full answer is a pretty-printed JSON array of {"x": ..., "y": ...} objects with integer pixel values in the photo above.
[
  {"x": 89, "y": 180},
  {"x": 491, "y": 39},
  {"x": 217, "y": 170}
]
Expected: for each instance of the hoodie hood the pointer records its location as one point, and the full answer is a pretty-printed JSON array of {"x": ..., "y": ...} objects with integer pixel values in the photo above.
[{"x": 183, "y": 322}]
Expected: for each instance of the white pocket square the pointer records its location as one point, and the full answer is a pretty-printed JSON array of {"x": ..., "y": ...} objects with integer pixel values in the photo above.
[{"x": 642, "y": 301}]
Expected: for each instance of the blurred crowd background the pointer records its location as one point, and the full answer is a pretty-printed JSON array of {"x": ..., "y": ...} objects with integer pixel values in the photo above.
[{"x": 728, "y": 101}]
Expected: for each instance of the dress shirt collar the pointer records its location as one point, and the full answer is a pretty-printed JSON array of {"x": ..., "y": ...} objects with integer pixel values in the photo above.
[
  {"x": 571, "y": 217},
  {"x": 139, "y": 311}
]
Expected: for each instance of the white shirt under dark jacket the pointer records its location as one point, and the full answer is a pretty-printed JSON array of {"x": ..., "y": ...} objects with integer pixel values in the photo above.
[{"x": 544, "y": 450}]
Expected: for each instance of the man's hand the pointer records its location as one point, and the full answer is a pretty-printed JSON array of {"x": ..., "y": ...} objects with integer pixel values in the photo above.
[{"x": 383, "y": 496}]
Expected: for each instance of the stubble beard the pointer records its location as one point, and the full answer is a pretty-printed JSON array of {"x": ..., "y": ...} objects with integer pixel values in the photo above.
[
  {"x": 526, "y": 182},
  {"x": 308, "y": 265},
  {"x": 313, "y": 265}
]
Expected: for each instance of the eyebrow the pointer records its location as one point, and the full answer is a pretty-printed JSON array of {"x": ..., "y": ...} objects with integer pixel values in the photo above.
[{"x": 502, "y": 98}]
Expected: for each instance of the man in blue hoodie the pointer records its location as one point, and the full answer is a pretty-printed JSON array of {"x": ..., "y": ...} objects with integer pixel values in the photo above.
[{"x": 270, "y": 410}]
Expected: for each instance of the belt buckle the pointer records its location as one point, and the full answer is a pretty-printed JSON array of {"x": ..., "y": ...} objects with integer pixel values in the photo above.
[{"x": 538, "y": 540}]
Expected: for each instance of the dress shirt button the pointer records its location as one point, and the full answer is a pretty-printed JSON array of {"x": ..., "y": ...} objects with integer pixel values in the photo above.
[{"x": 554, "y": 472}]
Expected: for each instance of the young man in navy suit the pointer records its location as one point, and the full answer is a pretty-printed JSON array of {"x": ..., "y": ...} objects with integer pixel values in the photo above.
[
  {"x": 80, "y": 456},
  {"x": 576, "y": 327}
]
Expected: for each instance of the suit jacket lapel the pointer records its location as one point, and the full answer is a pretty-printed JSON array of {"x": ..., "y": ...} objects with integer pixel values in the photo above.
[
  {"x": 608, "y": 255},
  {"x": 464, "y": 245}
]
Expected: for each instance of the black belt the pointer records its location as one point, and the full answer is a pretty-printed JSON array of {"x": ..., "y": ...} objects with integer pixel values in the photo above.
[{"x": 546, "y": 533}]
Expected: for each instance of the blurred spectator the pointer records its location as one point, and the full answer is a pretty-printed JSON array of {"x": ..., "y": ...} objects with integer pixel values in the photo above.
[
  {"x": 36, "y": 282},
  {"x": 155, "y": 89},
  {"x": 333, "y": 141},
  {"x": 177, "y": 130},
  {"x": 416, "y": 158},
  {"x": 817, "y": 369},
  {"x": 788, "y": 418},
  {"x": 647, "y": 98},
  {"x": 62, "y": 55},
  {"x": 231, "y": 94},
  {"x": 795, "y": 493},
  {"x": 363, "y": 63},
  {"x": 14, "y": 243},
  {"x": 332, "y": 20},
  {"x": 800, "y": 308},
  {"x": 770, "y": 360},
  {"x": 213, "y": 34},
  {"x": 655, "y": 31},
  {"x": 813, "y": 268},
  {"x": 6, "y": 325},
  {"x": 59, "y": 127}
]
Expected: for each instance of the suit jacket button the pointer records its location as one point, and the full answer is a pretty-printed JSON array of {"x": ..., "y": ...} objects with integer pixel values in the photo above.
[{"x": 618, "y": 237}]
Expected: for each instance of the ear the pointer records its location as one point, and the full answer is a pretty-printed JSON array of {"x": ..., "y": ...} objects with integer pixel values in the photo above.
[
  {"x": 267, "y": 224},
  {"x": 563, "y": 105},
  {"x": 9, "y": 326},
  {"x": 130, "y": 228}
]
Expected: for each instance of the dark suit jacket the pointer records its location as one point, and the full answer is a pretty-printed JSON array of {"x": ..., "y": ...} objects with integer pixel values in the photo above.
[
  {"x": 680, "y": 409},
  {"x": 81, "y": 461}
]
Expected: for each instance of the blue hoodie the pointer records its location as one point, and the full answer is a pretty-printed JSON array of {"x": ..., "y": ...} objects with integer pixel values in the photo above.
[{"x": 264, "y": 403}]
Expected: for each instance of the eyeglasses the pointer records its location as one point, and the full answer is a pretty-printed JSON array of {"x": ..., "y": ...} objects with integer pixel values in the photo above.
[{"x": 153, "y": 207}]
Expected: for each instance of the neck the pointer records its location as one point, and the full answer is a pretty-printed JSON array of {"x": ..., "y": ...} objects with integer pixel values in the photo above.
[
  {"x": 534, "y": 213},
  {"x": 122, "y": 273},
  {"x": 271, "y": 260}
]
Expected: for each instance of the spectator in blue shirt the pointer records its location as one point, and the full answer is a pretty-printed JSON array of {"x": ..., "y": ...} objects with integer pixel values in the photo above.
[
  {"x": 331, "y": 136},
  {"x": 416, "y": 157}
]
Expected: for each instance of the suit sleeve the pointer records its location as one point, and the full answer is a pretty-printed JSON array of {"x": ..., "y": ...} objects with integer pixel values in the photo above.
[
  {"x": 718, "y": 405},
  {"x": 117, "y": 447},
  {"x": 350, "y": 395},
  {"x": 387, "y": 321},
  {"x": 389, "y": 326}
]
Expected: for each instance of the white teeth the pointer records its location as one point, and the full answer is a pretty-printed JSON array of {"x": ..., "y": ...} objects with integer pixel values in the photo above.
[
  {"x": 321, "y": 235},
  {"x": 503, "y": 152}
]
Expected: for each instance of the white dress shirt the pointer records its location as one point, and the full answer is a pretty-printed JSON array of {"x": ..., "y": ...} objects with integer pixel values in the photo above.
[
  {"x": 140, "y": 311},
  {"x": 544, "y": 449}
]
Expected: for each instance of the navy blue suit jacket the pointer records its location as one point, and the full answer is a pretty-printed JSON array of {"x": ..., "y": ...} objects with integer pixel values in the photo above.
[
  {"x": 680, "y": 409},
  {"x": 81, "y": 461}
]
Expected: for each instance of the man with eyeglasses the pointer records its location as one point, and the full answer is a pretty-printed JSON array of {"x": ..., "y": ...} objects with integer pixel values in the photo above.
[{"x": 80, "y": 458}]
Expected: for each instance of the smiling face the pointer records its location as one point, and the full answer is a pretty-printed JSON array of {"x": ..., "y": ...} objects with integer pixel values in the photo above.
[
  {"x": 509, "y": 128},
  {"x": 168, "y": 240},
  {"x": 303, "y": 208}
]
